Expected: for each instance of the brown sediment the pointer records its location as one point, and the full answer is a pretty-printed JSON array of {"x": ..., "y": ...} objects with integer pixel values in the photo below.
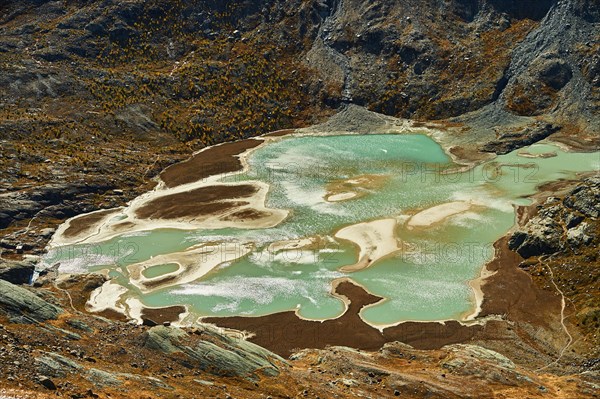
[
  {"x": 284, "y": 332},
  {"x": 577, "y": 139},
  {"x": 84, "y": 223},
  {"x": 201, "y": 201},
  {"x": 161, "y": 315},
  {"x": 244, "y": 214},
  {"x": 159, "y": 281},
  {"x": 509, "y": 292},
  {"x": 512, "y": 292},
  {"x": 123, "y": 226},
  {"x": 468, "y": 155},
  {"x": 212, "y": 161},
  {"x": 358, "y": 186},
  {"x": 112, "y": 315}
]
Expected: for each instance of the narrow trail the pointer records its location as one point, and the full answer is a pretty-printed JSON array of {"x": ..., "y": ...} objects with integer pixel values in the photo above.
[
  {"x": 26, "y": 231},
  {"x": 562, "y": 323},
  {"x": 68, "y": 296}
]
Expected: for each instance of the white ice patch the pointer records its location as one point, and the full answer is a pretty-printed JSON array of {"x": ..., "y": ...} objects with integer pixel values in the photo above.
[
  {"x": 78, "y": 260},
  {"x": 143, "y": 233},
  {"x": 261, "y": 290},
  {"x": 483, "y": 198},
  {"x": 467, "y": 219},
  {"x": 228, "y": 307},
  {"x": 312, "y": 198}
]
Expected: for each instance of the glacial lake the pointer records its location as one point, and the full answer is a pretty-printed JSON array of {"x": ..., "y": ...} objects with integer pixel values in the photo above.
[{"x": 330, "y": 182}]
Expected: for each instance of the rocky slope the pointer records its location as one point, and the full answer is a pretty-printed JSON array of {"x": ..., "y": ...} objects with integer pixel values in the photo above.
[
  {"x": 559, "y": 244},
  {"x": 50, "y": 349}
]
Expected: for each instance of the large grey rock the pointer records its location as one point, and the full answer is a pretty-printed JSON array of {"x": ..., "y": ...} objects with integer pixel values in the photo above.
[
  {"x": 18, "y": 272},
  {"x": 23, "y": 306},
  {"x": 479, "y": 354},
  {"x": 164, "y": 339},
  {"x": 542, "y": 235},
  {"x": 102, "y": 378},
  {"x": 55, "y": 365},
  {"x": 59, "y": 200},
  {"x": 586, "y": 198},
  {"x": 479, "y": 362},
  {"x": 580, "y": 235},
  {"x": 219, "y": 354},
  {"x": 560, "y": 225},
  {"x": 510, "y": 141}
]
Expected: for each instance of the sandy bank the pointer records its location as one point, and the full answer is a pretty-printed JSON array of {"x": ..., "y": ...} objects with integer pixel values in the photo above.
[
  {"x": 344, "y": 196},
  {"x": 355, "y": 187},
  {"x": 193, "y": 263},
  {"x": 376, "y": 239},
  {"x": 526, "y": 154},
  {"x": 438, "y": 213},
  {"x": 299, "y": 243},
  {"x": 107, "y": 297}
]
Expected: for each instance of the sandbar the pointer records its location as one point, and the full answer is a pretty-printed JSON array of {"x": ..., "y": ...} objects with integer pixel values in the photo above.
[
  {"x": 438, "y": 213},
  {"x": 344, "y": 196},
  {"x": 82, "y": 224},
  {"x": 298, "y": 243},
  {"x": 355, "y": 187},
  {"x": 194, "y": 263},
  {"x": 376, "y": 239},
  {"x": 526, "y": 154},
  {"x": 203, "y": 205}
]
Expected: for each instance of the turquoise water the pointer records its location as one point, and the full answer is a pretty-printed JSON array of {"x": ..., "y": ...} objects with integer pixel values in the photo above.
[
  {"x": 426, "y": 280},
  {"x": 160, "y": 270}
]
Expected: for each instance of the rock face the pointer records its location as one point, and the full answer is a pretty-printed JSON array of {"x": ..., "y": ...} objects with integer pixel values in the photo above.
[
  {"x": 476, "y": 361},
  {"x": 55, "y": 200},
  {"x": 17, "y": 272},
  {"x": 586, "y": 199},
  {"x": 23, "y": 306},
  {"x": 542, "y": 235},
  {"x": 509, "y": 141},
  {"x": 231, "y": 357},
  {"x": 566, "y": 224}
]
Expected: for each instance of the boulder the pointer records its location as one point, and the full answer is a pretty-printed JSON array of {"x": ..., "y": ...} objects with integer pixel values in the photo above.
[
  {"x": 578, "y": 236},
  {"x": 542, "y": 236},
  {"x": 55, "y": 365},
  {"x": 585, "y": 198},
  {"x": 478, "y": 362},
  {"x": 102, "y": 378},
  {"x": 17, "y": 272},
  {"x": 572, "y": 220},
  {"x": 510, "y": 141},
  {"x": 47, "y": 383},
  {"x": 218, "y": 354},
  {"x": 556, "y": 73},
  {"x": 23, "y": 306}
]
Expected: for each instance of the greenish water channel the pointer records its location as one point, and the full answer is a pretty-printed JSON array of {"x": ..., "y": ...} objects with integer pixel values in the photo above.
[{"x": 426, "y": 280}]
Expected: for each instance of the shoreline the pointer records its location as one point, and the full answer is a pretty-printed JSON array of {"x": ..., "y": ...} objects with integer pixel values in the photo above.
[
  {"x": 131, "y": 223},
  {"x": 479, "y": 285},
  {"x": 135, "y": 224}
]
